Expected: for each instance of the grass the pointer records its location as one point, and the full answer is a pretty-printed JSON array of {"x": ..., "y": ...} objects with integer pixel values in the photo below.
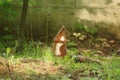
[{"x": 52, "y": 67}]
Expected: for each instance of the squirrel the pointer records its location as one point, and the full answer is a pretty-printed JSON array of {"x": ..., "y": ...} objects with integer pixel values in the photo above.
[{"x": 59, "y": 48}]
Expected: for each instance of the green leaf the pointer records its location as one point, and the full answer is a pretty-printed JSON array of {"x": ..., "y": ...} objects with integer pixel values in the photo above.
[
  {"x": 65, "y": 78},
  {"x": 8, "y": 50},
  {"x": 9, "y": 0},
  {"x": 1, "y": 3},
  {"x": 79, "y": 26}
]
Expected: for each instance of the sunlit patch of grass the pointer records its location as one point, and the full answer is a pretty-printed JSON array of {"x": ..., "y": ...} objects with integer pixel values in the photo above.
[
  {"x": 62, "y": 68},
  {"x": 112, "y": 68},
  {"x": 47, "y": 54}
]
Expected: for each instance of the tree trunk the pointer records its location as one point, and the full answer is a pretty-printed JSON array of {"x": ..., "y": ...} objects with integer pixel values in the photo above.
[
  {"x": 22, "y": 25},
  {"x": 23, "y": 19}
]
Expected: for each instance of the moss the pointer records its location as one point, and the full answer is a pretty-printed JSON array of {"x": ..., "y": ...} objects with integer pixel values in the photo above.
[
  {"x": 108, "y": 1},
  {"x": 118, "y": 4},
  {"x": 92, "y": 10}
]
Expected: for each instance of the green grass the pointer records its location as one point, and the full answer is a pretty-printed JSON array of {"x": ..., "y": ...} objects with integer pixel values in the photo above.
[{"x": 108, "y": 70}]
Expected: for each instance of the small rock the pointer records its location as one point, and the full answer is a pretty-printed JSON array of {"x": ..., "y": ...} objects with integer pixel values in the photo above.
[{"x": 111, "y": 41}]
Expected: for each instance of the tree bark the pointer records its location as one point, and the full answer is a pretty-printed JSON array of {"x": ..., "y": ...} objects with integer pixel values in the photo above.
[
  {"x": 21, "y": 36},
  {"x": 23, "y": 19}
]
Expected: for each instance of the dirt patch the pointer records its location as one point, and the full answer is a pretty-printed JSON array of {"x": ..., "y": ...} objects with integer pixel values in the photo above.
[{"x": 34, "y": 69}]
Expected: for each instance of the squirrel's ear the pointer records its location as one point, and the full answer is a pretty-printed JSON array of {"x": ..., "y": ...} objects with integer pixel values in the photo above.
[{"x": 61, "y": 32}]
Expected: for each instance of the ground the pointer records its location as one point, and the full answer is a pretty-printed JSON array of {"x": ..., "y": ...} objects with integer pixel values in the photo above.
[
  {"x": 42, "y": 70},
  {"x": 50, "y": 67}
]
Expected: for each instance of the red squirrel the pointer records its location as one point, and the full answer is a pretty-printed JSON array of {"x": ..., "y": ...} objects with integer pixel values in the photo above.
[{"x": 59, "y": 48}]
